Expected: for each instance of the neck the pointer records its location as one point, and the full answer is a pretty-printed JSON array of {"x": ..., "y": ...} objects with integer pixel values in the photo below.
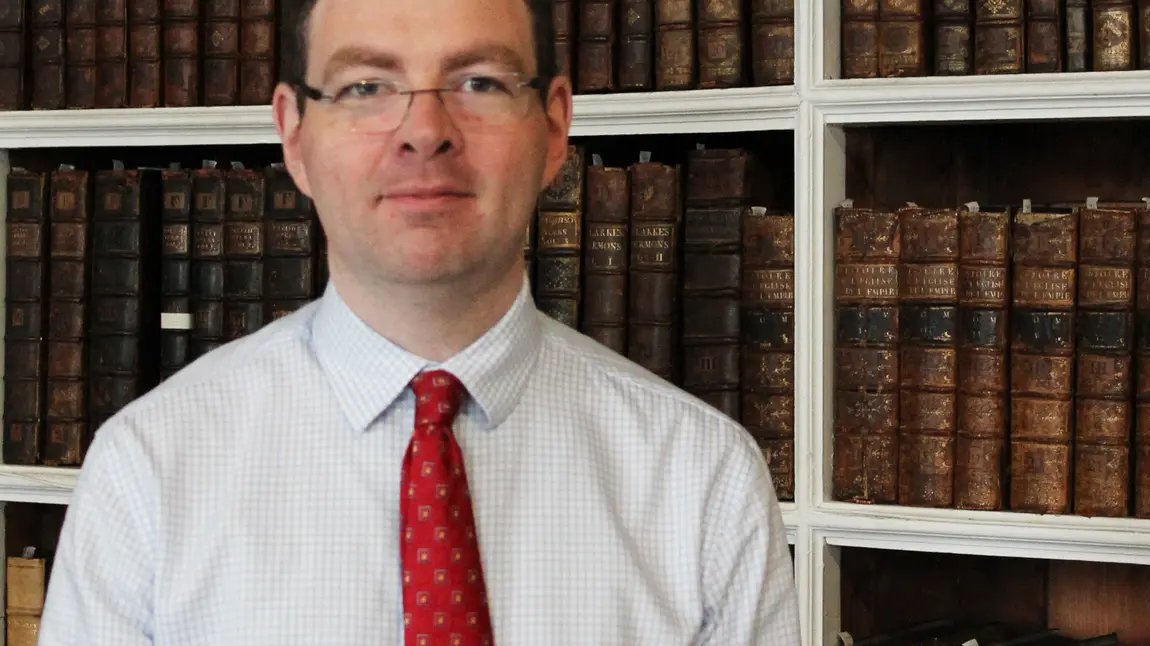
[{"x": 431, "y": 321}]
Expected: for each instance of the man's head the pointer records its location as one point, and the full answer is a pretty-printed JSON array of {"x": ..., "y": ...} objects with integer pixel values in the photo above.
[{"x": 423, "y": 188}]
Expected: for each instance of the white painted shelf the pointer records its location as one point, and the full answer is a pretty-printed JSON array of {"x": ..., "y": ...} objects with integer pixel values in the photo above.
[{"x": 50, "y": 485}]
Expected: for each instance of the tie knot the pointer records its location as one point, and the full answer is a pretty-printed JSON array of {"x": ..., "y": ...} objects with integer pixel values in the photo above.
[{"x": 437, "y": 397}]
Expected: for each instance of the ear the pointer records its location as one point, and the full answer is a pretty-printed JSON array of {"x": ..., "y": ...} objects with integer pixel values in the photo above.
[
  {"x": 558, "y": 114},
  {"x": 288, "y": 120}
]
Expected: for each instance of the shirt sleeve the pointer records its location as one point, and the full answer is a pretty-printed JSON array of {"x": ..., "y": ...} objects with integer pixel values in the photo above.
[
  {"x": 100, "y": 587},
  {"x": 748, "y": 575}
]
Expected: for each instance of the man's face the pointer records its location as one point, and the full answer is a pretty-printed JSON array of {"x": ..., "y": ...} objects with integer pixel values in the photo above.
[{"x": 440, "y": 199}]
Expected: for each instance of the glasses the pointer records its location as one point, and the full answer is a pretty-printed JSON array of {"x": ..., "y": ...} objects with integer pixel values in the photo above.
[{"x": 380, "y": 105}]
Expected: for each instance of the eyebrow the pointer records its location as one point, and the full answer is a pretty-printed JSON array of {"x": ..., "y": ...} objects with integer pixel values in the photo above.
[
  {"x": 486, "y": 53},
  {"x": 359, "y": 56}
]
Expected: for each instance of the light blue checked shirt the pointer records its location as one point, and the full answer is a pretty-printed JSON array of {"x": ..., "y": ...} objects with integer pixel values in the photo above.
[{"x": 253, "y": 499}]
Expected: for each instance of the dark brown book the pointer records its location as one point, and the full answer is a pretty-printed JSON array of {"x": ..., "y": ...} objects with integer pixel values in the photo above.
[
  {"x": 13, "y": 55},
  {"x": 123, "y": 335},
  {"x": 46, "y": 43},
  {"x": 209, "y": 195},
  {"x": 1105, "y": 363},
  {"x": 772, "y": 42},
  {"x": 1141, "y": 443},
  {"x": 563, "y": 19},
  {"x": 80, "y": 53},
  {"x": 1114, "y": 24},
  {"x": 69, "y": 299},
  {"x": 722, "y": 44},
  {"x": 111, "y": 53},
  {"x": 860, "y": 39},
  {"x": 244, "y": 249},
  {"x": 653, "y": 313},
  {"x": 605, "y": 257},
  {"x": 257, "y": 51},
  {"x": 867, "y": 246},
  {"x": 901, "y": 38},
  {"x": 145, "y": 73},
  {"x": 1043, "y": 323},
  {"x": 1077, "y": 36},
  {"x": 176, "y": 271},
  {"x": 1044, "y": 41},
  {"x": 767, "y": 331},
  {"x": 983, "y": 360},
  {"x": 596, "y": 49},
  {"x": 182, "y": 53},
  {"x": 1143, "y": 37},
  {"x": 676, "y": 58},
  {"x": 636, "y": 53},
  {"x": 953, "y": 38},
  {"x": 559, "y": 242},
  {"x": 928, "y": 355},
  {"x": 289, "y": 266},
  {"x": 221, "y": 46},
  {"x": 25, "y": 347},
  {"x": 717, "y": 193},
  {"x": 999, "y": 37}
]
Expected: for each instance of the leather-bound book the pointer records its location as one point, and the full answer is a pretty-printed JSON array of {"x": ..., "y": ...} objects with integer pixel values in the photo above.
[
  {"x": 1042, "y": 359},
  {"x": 903, "y": 635},
  {"x": 25, "y": 348},
  {"x": 1141, "y": 443},
  {"x": 653, "y": 314},
  {"x": 953, "y": 38},
  {"x": 1044, "y": 41},
  {"x": 221, "y": 46},
  {"x": 321, "y": 267},
  {"x": 1114, "y": 25},
  {"x": 859, "y": 39},
  {"x": 13, "y": 55},
  {"x": 717, "y": 193},
  {"x": 1105, "y": 363},
  {"x": 559, "y": 242},
  {"x": 772, "y": 42},
  {"x": 80, "y": 53},
  {"x": 1143, "y": 37},
  {"x": 596, "y": 49},
  {"x": 868, "y": 244},
  {"x": 124, "y": 333},
  {"x": 145, "y": 76},
  {"x": 902, "y": 45},
  {"x": 767, "y": 336},
  {"x": 722, "y": 44},
  {"x": 182, "y": 69},
  {"x": 176, "y": 271},
  {"x": 563, "y": 19},
  {"x": 289, "y": 267},
  {"x": 676, "y": 58},
  {"x": 257, "y": 51},
  {"x": 999, "y": 37},
  {"x": 1077, "y": 35},
  {"x": 70, "y": 265},
  {"x": 983, "y": 361},
  {"x": 46, "y": 44},
  {"x": 636, "y": 53},
  {"x": 605, "y": 259},
  {"x": 244, "y": 249},
  {"x": 111, "y": 53},
  {"x": 928, "y": 355},
  {"x": 209, "y": 195},
  {"x": 26, "y": 582}
]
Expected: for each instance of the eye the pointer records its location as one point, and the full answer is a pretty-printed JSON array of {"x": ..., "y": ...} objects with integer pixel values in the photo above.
[
  {"x": 364, "y": 90},
  {"x": 483, "y": 85}
]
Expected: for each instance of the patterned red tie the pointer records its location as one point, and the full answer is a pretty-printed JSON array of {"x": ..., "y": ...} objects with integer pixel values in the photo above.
[{"x": 444, "y": 600}]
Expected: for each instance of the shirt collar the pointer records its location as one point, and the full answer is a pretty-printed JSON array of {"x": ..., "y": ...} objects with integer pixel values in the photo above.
[{"x": 368, "y": 372}]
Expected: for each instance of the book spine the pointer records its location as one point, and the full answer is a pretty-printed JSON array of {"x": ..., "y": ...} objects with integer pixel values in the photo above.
[
  {"x": 244, "y": 244},
  {"x": 605, "y": 261},
  {"x": 210, "y": 199},
  {"x": 772, "y": 42},
  {"x": 257, "y": 51},
  {"x": 901, "y": 38},
  {"x": 176, "y": 272},
  {"x": 999, "y": 37},
  {"x": 221, "y": 46},
  {"x": 111, "y": 53},
  {"x": 676, "y": 60},
  {"x": 289, "y": 268},
  {"x": 596, "y": 49},
  {"x": 560, "y": 242},
  {"x": 181, "y": 58},
  {"x": 722, "y": 44},
  {"x": 654, "y": 273},
  {"x": 13, "y": 55},
  {"x": 145, "y": 73},
  {"x": 80, "y": 54},
  {"x": 635, "y": 62}
]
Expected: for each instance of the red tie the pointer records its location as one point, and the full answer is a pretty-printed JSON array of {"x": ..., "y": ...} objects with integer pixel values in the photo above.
[{"x": 444, "y": 601}]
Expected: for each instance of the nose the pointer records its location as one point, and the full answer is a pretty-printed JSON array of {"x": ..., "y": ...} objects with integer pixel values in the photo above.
[{"x": 427, "y": 130}]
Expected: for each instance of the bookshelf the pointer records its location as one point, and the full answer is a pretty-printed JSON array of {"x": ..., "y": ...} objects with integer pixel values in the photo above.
[{"x": 819, "y": 110}]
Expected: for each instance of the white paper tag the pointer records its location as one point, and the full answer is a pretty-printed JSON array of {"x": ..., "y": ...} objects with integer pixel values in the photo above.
[
  {"x": 759, "y": 211},
  {"x": 1026, "y": 205},
  {"x": 644, "y": 156},
  {"x": 845, "y": 639},
  {"x": 596, "y": 160},
  {"x": 175, "y": 321},
  {"x": 847, "y": 203},
  {"x": 1091, "y": 202},
  {"x": 970, "y": 642},
  {"x": 972, "y": 207}
]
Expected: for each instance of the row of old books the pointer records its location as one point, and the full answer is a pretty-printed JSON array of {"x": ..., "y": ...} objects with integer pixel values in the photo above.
[
  {"x": 57, "y": 54},
  {"x": 994, "y": 357},
  {"x": 656, "y": 45},
  {"x": 117, "y": 278},
  {"x": 949, "y": 632},
  {"x": 897, "y": 38},
  {"x": 687, "y": 268}
]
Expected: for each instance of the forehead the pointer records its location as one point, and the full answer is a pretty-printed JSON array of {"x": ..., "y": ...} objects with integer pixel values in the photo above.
[{"x": 418, "y": 35}]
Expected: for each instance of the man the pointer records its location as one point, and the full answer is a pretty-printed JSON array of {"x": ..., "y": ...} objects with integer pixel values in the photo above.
[{"x": 421, "y": 457}]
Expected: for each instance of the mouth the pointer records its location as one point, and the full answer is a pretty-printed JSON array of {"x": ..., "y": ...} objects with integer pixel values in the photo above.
[{"x": 427, "y": 197}]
